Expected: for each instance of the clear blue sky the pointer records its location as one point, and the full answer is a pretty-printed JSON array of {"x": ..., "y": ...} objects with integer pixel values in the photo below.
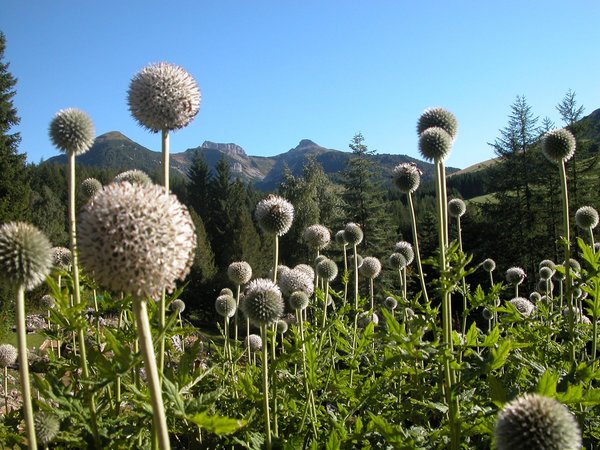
[{"x": 274, "y": 72}]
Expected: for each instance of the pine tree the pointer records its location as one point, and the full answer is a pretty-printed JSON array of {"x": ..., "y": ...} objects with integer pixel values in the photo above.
[{"x": 198, "y": 187}]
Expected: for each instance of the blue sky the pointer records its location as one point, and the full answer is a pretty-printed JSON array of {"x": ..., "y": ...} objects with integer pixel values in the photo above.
[{"x": 275, "y": 72}]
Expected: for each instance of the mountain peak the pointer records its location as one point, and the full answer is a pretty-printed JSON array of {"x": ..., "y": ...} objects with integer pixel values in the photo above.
[
  {"x": 306, "y": 143},
  {"x": 113, "y": 135},
  {"x": 228, "y": 149}
]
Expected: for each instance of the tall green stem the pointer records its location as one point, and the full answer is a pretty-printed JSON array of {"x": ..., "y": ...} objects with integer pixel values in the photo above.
[
  {"x": 162, "y": 315},
  {"x": 24, "y": 368},
  {"x": 265, "y": 380},
  {"x": 355, "y": 278},
  {"x": 413, "y": 220},
  {"x": 275, "y": 259}
]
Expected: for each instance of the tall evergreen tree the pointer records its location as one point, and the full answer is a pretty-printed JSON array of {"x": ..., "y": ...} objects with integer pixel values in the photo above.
[{"x": 198, "y": 187}]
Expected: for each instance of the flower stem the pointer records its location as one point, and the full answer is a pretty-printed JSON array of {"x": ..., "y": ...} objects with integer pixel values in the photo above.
[
  {"x": 24, "y": 368},
  {"x": 413, "y": 220},
  {"x": 265, "y": 380},
  {"x": 275, "y": 259}
]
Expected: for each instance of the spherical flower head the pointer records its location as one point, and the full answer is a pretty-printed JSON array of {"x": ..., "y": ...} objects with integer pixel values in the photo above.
[
  {"x": 281, "y": 269},
  {"x": 536, "y": 422},
  {"x": 274, "y": 215},
  {"x": 547, "y": 263},
  {"x": 298, "y": 300},
  {"x": 515, "y": 275},
  {"x": 239, "y": 272},
  {"x": 487, "y": 314},
  {"x": 407, "y": 177},
  {"x": 559, "y": 274},
  {"x": 397, "y": 261},
  {"x": 371, "y": 267},
  {"x": 133, "y": 176},
  {"x": 456, "y": 207},
  {"x": 586, "y": 217},
  {"x": 136, "y": 239},
  {"x": 225, "y": 305},
  {"x": 61, "y": 257},
  {"x": 178, "y": 305},
  {"x": 8, "y": 355},
  {"x": 409, "y": 313},
  {"x": 435, "y": 144},
  {"x": 90, "y": 187},
  {"x": 316, "y": 236},
  {"x": 353, "y": 234},
  {"x": 340, "y": 238},
  {"x": 524, "y": 306},
  {"x": 390, "y": 303},
  {"x": 489, "y": 265},
  {"x": 308, "y": 270},
  {"x": 558, "y": 145},
  {"x": 359, "y": 262},
  {"x": 545, "y": 285},
  {"x": 226, "y": 291},
  {"x": 163, "y": 96},
  {"x": 366, "y": 317},
  {"x": 72, "y": 131},
  {"x": 282, "y": 326},
  {"x": 438, "y": 117},
  {"x": 263, "y": 304},
  {"x": 574, "y": 265},
  {"x": 535, "y": 297},
  {"x": 46, "y": 427},
  {"x": 47, "y": 301},
  {"x": 253, "y": 342},
  {"x": 327, "y": 269},
  {"x": 25, "y": 255},
  {"x": 406, "y": 250},
  {"x": 294, "y": 280},
  {"x": 546, "y": 273}
]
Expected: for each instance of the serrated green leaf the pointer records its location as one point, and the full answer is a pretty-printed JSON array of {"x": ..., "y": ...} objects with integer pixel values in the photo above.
[
  {"x": 547, "y": 384},
  {"x": 497, "y": 391},
  {"x": 217, "y": 424}
]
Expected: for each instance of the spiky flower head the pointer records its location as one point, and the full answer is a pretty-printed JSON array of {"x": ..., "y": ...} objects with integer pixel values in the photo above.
[
  {"x": 353, "y": 234},
  {"x": 316, "y": 236},
  {"x": 536, "y": 422},
  {"x": 359, "y": 261},
  {"x": 281, "y": 269},
  {"x": 366, "y": 317},
  {"x": 226, "y": 291},
  {"x": 586, "y": 217},
  {"x": 298, "y": 300},
  {"x": 547, "y": 263},
  {"x": 136, "y": 239},
  {"x": 46, "y": 427},
  {"x": 178, "y": 305},
  {"x": 340, "y": 238},
  {"x": 61, "y": 257},
  {"x": 163, "y": 96},
  {"x": 435, "y": 144},
  {"x": 263, "y": 304},
  {"x": 457, "y": 207},
  {"x": 274, "y": 215},
  {"x": 535, "y": 297},
  {"x": 489, "y": 265},
  {"x": 405, "y": 249},
  {"x": 573, "y": 264},
  {"x": 239, "y": 272},
  {"x": 327, "y": 269},
  {"x": 47, "y": 301},
  {"x": 225, "y": 305},
  {"x": 546, "y": 273},
  {"x": 545, "y": 285},
  {"x": 515, "y": 275},
  {"x": 90, "y": 186},
  {"x": 133, "y": 176},
  {"x": 72, "y": 131},
  {"x": 397, "y": 260},
  {"x": 293, "y": 280},
  {"x": 306, "y": 269},
  {"x": 8, "y": 355},
  {"x": 371, "y": 267},
  {"x": 558, "y": 145},
  {"x": 407, "y": 177},
  {"x": 253, "y": 342},
  {"x": 524, "y": 306},
  {"x": 25, "y": 255},
  {"x": 438, "y": 117},
  {"x": 390, "y": 303},
  {"x": 282, "y": 326}
]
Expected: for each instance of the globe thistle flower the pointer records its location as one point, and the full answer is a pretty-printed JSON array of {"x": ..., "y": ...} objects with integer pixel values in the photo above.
[
  {"x": 573, "y": 311},
  {"x": 586, "y": 217},
  {"x": 25, "y": 255},
  {"x": 547, "y": 263},
  {"x": 72, "y": 131},
  {"x": 406, "y": 250},
  {"x": 456, "y": 207},
  {"x": 178, "y": 305},
  {"x": 407, "y": 177},
  {"x": 535, "y": 297},
  {"x": 90, "y": 187},
  {"x": 545, "y": 285},
  {"x": 226, "y": 291},
  {"x": 371, "y": 267},
  {"x": 46, "y": 427},
  {"x": 163, "y": 96},
  {"x": 316, "y": 237},
  {"x": 515, "y": 275},
  {"x": 487, "y": 314},
  {"x": 559, "y": 275},
  {"x": 390, "y": 303},
  {"x": 397, "y": 260},
  {"x": 282, "y": 326},
  {"x": 359, "y": 261},
  {"x": 61, "y": 257},
  {"x": 308, "y": 270},
  {"x": 546, "y": 273},
  {"x": 366, "y": 317},
  {"x": 409, "y": 313},
  {"x": 327, "y": 269},
  {"x": 253, "y": 342},
  {"x": 320, "y": 258},
  {"x": 8, "y": 355},
  {"x": 573, "y": 264},
  {"x": 558, "y": 145},
  {"x": 435, "y": 144},
  {"x": 438, "y": 117},
  {"x": 353, "y": 234},
  {"x": 340, "y": 238},
  {"x": 239, "y": 272},
  {"x": 136, "y": 239},
  {"x": 294, "y": 280},
  {"x": 536, "y": 422},
  {"x": 489, "y": 265},
  {"x": 133, "y": 176},
  {"x": 47, "y": 301},
  {"x": 225, "y": 305},
  {"x": 524, "y": 306},
  {"x": 298, "y": 300},
  {"x": 274, "y": 215},
  {"x": 263, "y": 304},
  {"x": 281, "y": 269}
]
